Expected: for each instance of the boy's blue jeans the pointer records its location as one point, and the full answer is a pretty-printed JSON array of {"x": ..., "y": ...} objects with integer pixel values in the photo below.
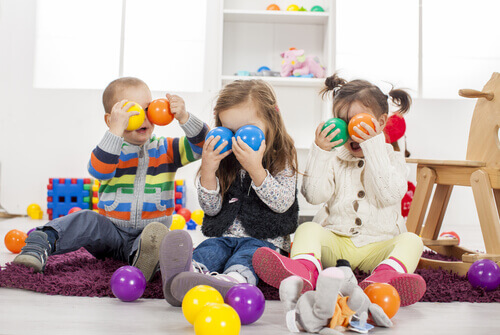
[
  {"x": 230, "y": 254},
  {"x": 96, "y": 233}
]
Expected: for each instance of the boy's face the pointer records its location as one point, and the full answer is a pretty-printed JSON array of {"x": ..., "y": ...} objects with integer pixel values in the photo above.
[{"x": 141, "y": 95}]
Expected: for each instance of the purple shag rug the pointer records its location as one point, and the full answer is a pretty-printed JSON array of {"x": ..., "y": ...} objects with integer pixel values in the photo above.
[{"x": 80, "y": 274}]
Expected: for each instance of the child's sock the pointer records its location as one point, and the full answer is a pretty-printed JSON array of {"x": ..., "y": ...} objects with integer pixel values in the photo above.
[
  {"x": 52, "y": 236},
  {"x": 237, "y": 276}
]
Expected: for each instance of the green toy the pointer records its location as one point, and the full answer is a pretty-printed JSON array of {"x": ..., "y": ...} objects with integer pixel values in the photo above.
[
  {"x": 317, "y": 9},
  {"x": 339, "y": 124}
]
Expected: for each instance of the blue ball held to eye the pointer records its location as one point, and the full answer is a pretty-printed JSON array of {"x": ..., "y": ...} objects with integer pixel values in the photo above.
[
  {"x": 251, "y": 135},
  {"x": 225, "y": 136}
]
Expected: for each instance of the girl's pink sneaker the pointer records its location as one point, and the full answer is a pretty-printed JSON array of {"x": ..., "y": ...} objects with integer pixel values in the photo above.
[
  {"x": 273, "y": 267},
  {"x": 410, "y": 286}
]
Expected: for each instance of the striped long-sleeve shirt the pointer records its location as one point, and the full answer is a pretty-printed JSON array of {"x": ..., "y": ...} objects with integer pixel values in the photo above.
[{"x": 137, "y": 182}]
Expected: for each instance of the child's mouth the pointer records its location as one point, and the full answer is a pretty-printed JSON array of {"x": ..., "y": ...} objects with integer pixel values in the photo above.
[
  {"x": 142, "y": 130},
  {"x": 355, "y": 146}
]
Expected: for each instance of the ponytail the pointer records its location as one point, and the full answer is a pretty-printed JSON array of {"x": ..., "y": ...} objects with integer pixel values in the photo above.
[
  {"x": 333, "y": 84},
  {"x": 401, "y": 99}
]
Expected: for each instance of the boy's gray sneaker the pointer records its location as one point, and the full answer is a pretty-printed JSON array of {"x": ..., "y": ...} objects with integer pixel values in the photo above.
[
  {"x": 148, "y": 252},
  {"x": 34, "y": 254}
]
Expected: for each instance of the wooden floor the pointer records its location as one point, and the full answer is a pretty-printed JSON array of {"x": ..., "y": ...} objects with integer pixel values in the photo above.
[{"x": 23, "y": 312}]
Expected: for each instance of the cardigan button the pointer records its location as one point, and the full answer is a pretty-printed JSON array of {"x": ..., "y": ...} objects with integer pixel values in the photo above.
[
  {"x": 361, "y": 163},
  {"x": 358, "y": 222},
  {"x": 361, "y": 194}
]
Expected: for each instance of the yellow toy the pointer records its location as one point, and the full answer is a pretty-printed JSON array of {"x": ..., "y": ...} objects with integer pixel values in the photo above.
[
  {"x": 196, "y": 298},
  {"x": 35, "y": 212},
  {"x": 135, "y": 121},
  {"x": 220, "y": 319},
  {"x": 197, "y": 216},
  {"x": 178, "y": 222},
  {"x": 293, "y": 8}
]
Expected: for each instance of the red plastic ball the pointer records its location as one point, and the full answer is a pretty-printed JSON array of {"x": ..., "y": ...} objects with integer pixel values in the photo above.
[
  {"x": 14, "y": 240},
  {"x": 384, "y": 295},
  {"x": 159, "y": 112},
  {"x": 74, "y": 209},
  {"x": 186, "y": 213}
]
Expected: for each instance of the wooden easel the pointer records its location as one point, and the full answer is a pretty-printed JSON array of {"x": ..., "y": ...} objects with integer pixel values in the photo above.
[{"x": 480, "y": 171}]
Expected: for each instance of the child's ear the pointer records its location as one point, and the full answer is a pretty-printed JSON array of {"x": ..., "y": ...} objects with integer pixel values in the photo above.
[
  {"x": 382, "y": 120},
  {"x": 106, "y": 119}
]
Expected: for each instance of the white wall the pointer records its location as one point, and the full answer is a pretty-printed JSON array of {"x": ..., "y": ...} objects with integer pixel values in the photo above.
[{"x": 50, "y": 133}]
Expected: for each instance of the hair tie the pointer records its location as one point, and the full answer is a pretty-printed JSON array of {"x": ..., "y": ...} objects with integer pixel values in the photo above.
[{"x": 276, "y": 108}]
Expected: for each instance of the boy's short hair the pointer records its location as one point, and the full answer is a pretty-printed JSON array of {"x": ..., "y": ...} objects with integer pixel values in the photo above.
[{"x": 117, "y": 85}]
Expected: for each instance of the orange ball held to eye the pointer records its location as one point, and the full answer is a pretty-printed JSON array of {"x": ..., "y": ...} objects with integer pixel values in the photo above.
[
  {"x": 159, "y": 112},
  {"x": 385, "y": 296},
  {"x": 356, "y": 120},
  {"x": 14, "y": 240}
]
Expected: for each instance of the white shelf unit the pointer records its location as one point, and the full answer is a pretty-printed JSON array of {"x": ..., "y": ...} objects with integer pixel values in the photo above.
[{"x": 252, "y": 37}]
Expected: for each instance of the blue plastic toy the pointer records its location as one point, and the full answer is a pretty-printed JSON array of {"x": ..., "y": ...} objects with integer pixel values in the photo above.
[
  {"x": 251, "y": 135},
  {"x": 263, "y": 68},
  {"x": 225, "y": 136}
]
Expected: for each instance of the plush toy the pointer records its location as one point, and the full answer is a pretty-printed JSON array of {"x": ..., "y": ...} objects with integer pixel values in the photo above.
[
  {"x": 337, "y": 304},
  {"x": 296, "y": 64}
]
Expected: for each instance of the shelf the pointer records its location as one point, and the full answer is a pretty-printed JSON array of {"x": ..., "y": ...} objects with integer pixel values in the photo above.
[
  {"x": 281, "y": 81},
  {"x": 271, "y": 16}
]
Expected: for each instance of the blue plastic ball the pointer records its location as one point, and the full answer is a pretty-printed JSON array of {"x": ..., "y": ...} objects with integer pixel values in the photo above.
[
  {"x": 251, "y": 135},
  {"x": 225, "y": 136}
]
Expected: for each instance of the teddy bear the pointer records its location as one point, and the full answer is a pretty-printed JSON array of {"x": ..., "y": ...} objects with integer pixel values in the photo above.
[
  {"x": 336, "y": 303},
  {"x": 295, "y": 63}
]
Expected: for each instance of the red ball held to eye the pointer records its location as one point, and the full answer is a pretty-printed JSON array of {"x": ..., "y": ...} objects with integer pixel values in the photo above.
[
  {"x": 356, "y": 120},
  {"x": 159, "y": 112}
]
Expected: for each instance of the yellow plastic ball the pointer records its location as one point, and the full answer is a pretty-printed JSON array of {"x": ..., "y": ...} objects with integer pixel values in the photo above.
[
  {"x": 135, "y": 121},
  {"x": 35, "y": 212},
  {"x": 293, "y": 8},
  {"x": 196, "y": 298},
  {"x": 220, "y": 319},
  {"x": 197, "y": 216},
  {"x": 178, "y": 222}
]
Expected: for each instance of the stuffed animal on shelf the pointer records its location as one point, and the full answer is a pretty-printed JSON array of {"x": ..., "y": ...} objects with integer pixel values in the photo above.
[
  {"x": 295, "y": 63},
  {"x": 337, "y": 304}
]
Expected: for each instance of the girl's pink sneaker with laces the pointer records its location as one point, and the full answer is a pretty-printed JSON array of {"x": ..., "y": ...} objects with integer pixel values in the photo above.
[
  {"x": 410, "y": 286},
  {"x": 273, "y": 267}
]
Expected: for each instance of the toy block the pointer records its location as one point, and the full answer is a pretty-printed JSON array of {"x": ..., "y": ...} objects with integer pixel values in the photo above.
[{"x": 64, "y": 194}]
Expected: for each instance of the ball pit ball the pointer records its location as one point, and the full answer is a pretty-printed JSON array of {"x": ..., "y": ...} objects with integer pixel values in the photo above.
[
  {"x": 159, "y": 112},
  {"x": 178, "y": 222},
  {"x": 15, "y": 240},
  {"x": 197, "y": 216},
  {"x": 385, "y": 296},
  {"x": 74, "y": 210},
  {"x": 356, "y": 120},
  {"x": 225, "y": 136},
  {"x": 196, "y": 299},
  {"x": 339, "y": 124},
  {"x": 273, "y": 7},
  {"x": 247, "y": 300},
  {"x": 251, "y": 135},
  {"x": 128, "y": 283},
  {"x": 220, "y": 319},
  {"x": 34, "y": 211},
  {"x": 484, "y": 273},
  {"x": 135, "y": 121},
  {"x": 186, "y": 213}
]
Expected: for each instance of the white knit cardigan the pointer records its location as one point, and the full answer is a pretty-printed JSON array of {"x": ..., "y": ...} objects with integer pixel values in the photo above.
[{"x": 362, "y": 196}]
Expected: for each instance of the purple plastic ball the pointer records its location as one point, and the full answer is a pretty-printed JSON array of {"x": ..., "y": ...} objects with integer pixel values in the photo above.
[
  {"x": 484, "y": 273},
  {"x": 128, "y": 283},
  {"x": 29, "y": 231},
  {"x": 247, "y": 300}
]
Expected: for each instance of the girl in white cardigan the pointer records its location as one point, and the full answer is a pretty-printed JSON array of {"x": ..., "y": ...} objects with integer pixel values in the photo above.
[{"x": 361, "y": 185}]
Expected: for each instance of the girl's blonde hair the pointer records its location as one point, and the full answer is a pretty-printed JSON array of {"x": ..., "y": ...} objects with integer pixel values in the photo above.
[
  {"x": 280, "y": 150},
  {"x": 345, "y": 93}
]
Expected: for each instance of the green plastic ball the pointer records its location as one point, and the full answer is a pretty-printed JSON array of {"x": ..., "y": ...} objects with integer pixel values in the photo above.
[
  {"x": 317, "y": 9},
  {"x": 339, "y": 124}
]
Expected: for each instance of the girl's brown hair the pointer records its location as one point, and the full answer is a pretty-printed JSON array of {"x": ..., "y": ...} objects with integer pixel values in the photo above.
[
  {"x": 345, "y": 93},
  {"x": 280, "y": 150}
]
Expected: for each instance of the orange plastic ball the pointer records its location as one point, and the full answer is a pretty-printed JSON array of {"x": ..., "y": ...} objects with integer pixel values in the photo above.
[
  {"x": 273, "y": 7},
  {"x": 14, "y": 240},
  {"x": 384, "y": 295},
  {"x": 356, "y": 120},
  {"x": 159, "y": 112}
]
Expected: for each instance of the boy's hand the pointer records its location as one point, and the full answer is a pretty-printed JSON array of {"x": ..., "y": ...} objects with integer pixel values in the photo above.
[
  {"x": 210, "y": 161},
  {"x": 322, "y": 140},
  {"x": 178, "y": 108},
  {"x": 118, "y": 118},
  {"x": 250, "y": 160},
  {"x": 362, "y": 136}
]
